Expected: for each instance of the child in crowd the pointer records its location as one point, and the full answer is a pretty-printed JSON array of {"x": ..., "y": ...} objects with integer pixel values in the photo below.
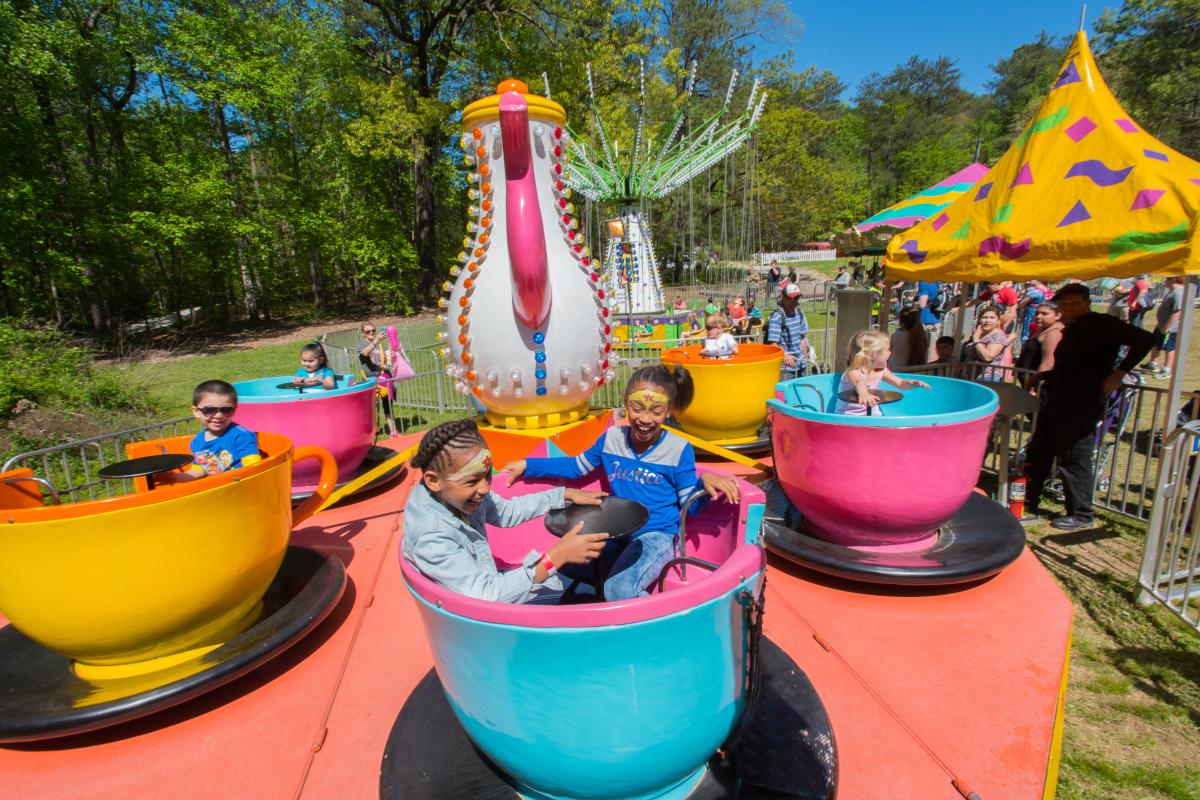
[
  {"x": 944, "y": 349},
  {"x": 444, "y": 518},
  {"x": 221, "y": 444},
  {"x": 645, "y": 463},
  {"x": 314, "y": 367},
  {"x": 718, "y": 343},
  {"x": 866, "y": 368}
]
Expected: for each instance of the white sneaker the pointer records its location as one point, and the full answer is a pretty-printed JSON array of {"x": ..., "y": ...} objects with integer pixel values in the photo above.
[{"x": 1163, "y": 373}]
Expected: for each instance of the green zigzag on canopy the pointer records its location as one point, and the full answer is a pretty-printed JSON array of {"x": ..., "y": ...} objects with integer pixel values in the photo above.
[
  {"x": 1150, "y": 241},
  {"x": 1044, "y": 124}
]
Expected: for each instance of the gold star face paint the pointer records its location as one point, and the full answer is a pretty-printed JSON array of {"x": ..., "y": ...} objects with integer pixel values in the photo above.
[{"x": 648, "y": 396}]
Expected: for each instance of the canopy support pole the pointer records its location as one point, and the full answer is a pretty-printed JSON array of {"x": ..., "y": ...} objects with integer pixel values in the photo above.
[
  {"x": 960, "y": 321},
  {"x": 1183, "y": 337},
  {"x": 1082, "y": 15}
]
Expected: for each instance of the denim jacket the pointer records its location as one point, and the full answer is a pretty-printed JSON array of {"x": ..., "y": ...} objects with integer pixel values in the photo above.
[{"x": 454, "y": 551}]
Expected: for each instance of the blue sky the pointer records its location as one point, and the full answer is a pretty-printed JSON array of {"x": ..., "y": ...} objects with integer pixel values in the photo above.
[{"x": 853, "y": 38}]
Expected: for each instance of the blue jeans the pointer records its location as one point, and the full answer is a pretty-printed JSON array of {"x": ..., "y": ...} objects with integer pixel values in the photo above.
[{"x": 637, "y": 565}]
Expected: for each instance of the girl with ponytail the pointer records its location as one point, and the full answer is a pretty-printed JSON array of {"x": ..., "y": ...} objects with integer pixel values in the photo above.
[{"x": 645, "y": 463}]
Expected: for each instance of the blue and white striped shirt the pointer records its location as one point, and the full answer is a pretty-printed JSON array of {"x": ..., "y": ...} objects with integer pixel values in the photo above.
[{"x": 788, "y": 332}]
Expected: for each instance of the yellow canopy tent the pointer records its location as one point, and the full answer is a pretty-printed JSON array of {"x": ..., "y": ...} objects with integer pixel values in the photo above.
[{"x": 1083, "y": 193}]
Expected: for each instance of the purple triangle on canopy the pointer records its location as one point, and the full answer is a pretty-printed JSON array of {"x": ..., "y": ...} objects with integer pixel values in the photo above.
[
  {"x": 1024, "y": 177},
  {"x": 1146, "y": 198},
  {"x": 1078, "y": 213},
  {"x": 1068, "y": 75}
]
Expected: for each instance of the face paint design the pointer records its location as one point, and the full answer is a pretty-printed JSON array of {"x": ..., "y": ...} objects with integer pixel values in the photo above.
[{"x": 480, "y": 464}]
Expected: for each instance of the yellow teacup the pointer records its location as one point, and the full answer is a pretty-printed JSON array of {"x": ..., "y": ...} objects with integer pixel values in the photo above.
[
  {"x": 137, "y": 583},
  {"x": 731, "y": 394}
]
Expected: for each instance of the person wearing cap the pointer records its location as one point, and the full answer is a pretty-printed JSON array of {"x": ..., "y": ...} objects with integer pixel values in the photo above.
[{"x": 788, "y": 328}]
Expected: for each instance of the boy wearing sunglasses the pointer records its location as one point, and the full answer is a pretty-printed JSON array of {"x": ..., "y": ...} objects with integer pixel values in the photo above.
[{"x": 221, "y": 444}]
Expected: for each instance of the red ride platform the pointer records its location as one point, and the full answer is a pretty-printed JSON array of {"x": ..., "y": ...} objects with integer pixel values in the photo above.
[{"x": 923, "y": 688}]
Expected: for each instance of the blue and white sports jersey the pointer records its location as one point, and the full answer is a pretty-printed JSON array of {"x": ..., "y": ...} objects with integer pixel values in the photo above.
[{"x": 660, "y": 478}]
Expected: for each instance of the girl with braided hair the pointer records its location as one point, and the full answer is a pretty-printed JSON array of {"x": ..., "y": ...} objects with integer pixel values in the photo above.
[
  {"x": 444, "y": 518},
  {"x": 644, "y": 463}
]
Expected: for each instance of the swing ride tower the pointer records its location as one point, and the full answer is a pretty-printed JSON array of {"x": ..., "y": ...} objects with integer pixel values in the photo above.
[{"x": 656, "y": 166}]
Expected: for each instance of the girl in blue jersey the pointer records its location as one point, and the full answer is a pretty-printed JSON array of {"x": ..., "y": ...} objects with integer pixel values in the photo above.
[
  {"x": 644, "y": 463},
  {"x": 314, "y": 368}
]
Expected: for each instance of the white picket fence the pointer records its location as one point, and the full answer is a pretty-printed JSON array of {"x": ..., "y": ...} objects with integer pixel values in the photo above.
[{"x": 798, "y": 256}]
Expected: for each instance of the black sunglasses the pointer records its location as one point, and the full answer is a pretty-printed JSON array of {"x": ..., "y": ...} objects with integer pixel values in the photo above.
[{"x": 212, "y": 411}]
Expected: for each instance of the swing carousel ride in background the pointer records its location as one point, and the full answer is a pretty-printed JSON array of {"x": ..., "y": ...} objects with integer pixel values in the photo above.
[{"x": 657, "y": 166}]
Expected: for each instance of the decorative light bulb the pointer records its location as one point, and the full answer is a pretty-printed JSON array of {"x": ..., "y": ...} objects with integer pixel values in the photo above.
[
  {"x": 450, "y": 370},
  {"x": 516, "y": 377},
  {"x": 494, "y": 130},
  {"x": 473, "y": 193},
  {"x": 447, "y": 286},
  {"x": 471, "y": 227},
  {"x": 570, "y": 208},
  {"x": 441, "y": 336},
  {"x": 455, "y": 270},
  {"x": 464, "y": 140},
  {"x": 586, "y": 369},
  {"x": 538, "y": 130},
  {"x": 495, "y": 391},
  {"x": 473, "y": 177},
  {"x": 466, "y": 241},
  {"x": 586, "y": 252},
  {"x": 444, "y": 352},
  {"x": 461, "y": 387},
  {"x": 565, "y": 373},
  {"x": 584, "y": 385},
  {"x": 518, "y": 393},
  {"x": 442, "y": 302},
  {"x": 610, "y": 375}
]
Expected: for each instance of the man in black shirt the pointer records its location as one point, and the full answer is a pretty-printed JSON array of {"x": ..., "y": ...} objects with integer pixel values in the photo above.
[{"x": 1073, "y": 401}]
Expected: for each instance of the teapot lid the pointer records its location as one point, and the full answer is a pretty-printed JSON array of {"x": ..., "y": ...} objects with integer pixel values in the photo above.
[{"x": 488, "y": 108}]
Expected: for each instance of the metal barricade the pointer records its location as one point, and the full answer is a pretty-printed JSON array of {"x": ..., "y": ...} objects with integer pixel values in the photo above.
[
  {"x": 72, "y": 467},
  {"x": 1171, "y": 559}
]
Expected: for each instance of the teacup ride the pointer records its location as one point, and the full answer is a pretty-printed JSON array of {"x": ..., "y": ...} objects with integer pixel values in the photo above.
[
  {"x": 604, "y": 700},
  {"x": 888, "y": 498},
  {"x": 123, "y": 606},
  {"x": 340, "y": 420},
  {"x": 730, "y": 406}
]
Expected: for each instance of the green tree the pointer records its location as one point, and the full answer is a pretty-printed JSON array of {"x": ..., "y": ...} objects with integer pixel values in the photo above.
[
  {"x": 1151, "y": 51},
  {"x": 916, "y": 125},
  {"x": 1021, "y": 82}
]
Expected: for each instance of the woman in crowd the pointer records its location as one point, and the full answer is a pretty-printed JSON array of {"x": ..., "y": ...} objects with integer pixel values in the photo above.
[
  {"x": 1037, "y": 353},
  {"x": 910, "y": 341}
]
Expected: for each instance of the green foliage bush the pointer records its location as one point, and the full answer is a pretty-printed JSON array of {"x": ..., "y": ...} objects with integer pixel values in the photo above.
[{"x": 41, "y": 365}]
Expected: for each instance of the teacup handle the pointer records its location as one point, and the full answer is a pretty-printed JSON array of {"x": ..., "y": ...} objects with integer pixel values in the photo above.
[{"x": 325, "y": 485}]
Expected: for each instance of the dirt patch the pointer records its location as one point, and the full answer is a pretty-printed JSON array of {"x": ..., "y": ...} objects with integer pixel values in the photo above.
[
  {"x": 200, "y": 341},
  {"x": 45, "y": 427}
]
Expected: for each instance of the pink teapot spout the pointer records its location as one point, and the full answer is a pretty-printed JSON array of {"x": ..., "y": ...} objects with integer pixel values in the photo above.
[{"x": 523, "y": 222}]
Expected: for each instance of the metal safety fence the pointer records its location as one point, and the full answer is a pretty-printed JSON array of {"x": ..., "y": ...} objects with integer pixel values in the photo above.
[
  {"x": 72, "y": 468},
  {"x": 1171, "y": 560}
]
